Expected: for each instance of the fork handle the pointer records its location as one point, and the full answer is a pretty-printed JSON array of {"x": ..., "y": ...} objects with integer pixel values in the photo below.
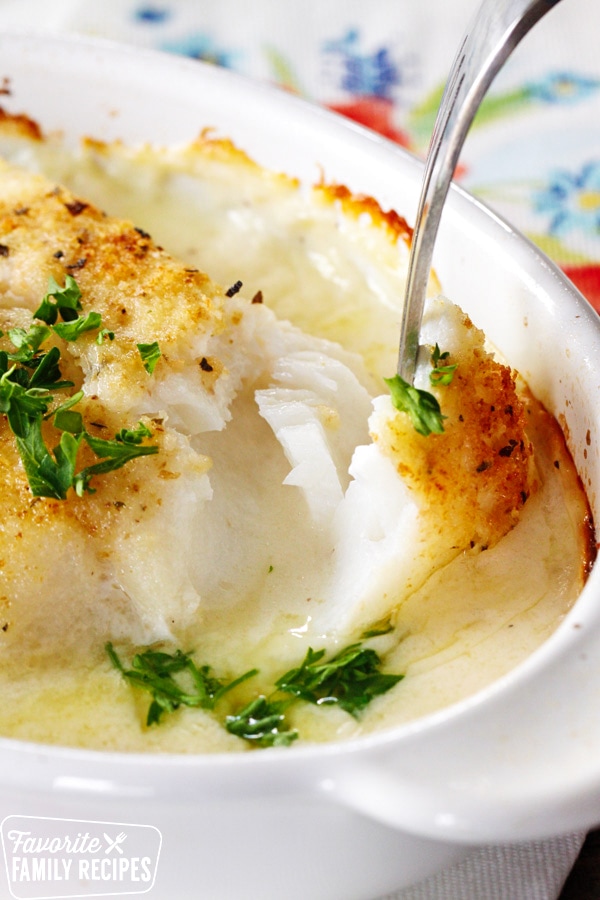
[{"x": 496, "y": 29}]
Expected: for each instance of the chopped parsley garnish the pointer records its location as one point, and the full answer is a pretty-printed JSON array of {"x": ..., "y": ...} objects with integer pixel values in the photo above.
[
  {"x": 422, "y": 407},
  {"x": 67, "y": 420},
  {"x": 103, "y": 335},
  {"x": 150, "y": 354},
  {"x": 27, "y": 343},
  {"x": 441, "y": 374},
  {"x": 49, "y": 475},
  {"x": 29, "y": 378},
  {"x": 262, "y": 723},
  {"x": 350, "y": 679},
  {"x": 67, "y": 301},
  {"x": 67, "y": 304},
  {"x": 46, "y": 375},
  {"x": 71, "y": 330},
  {"x": 113, "y": 454},
  {"x": 154, "y": 671}
]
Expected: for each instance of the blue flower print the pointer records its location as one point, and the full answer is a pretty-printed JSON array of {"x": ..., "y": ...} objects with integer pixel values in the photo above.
[
  {"x": 562, "y": 87},
  {"x": 371, "y": 75},
  {"x": 572, "y": 200},
  {"x": 199, "y": 45},
  {"x": 152, "y": 15}
]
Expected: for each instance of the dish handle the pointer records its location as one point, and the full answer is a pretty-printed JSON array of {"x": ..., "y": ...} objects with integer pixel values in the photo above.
[{"x": 519, "y": 761}]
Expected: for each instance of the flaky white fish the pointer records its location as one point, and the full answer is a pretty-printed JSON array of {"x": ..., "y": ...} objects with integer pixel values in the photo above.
[{"x": 283, "y": 485}]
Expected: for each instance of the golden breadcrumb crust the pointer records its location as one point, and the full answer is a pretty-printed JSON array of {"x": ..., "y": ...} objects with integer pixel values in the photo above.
[
  {"x": 478, "y": 474},
  {"x": 142, "y": 294}
]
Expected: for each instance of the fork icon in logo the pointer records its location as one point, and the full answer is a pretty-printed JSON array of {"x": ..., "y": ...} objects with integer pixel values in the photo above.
[{"x": 114, "y": 845}]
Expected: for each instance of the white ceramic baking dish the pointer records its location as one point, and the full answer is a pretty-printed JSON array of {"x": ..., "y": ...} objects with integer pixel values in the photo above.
[{"x": 520, "y": 759}]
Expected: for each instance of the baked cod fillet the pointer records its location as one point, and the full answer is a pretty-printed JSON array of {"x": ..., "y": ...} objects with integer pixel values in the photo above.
[
  {"x": 417, "y": 501},
  {"x": 280, "y": 476}
]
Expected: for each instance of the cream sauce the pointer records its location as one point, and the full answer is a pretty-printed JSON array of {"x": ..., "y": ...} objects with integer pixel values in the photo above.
[{"x": 338, "y": 276}]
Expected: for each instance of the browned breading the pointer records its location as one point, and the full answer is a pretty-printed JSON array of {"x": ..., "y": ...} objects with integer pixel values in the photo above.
[
  {"x": 359, "y": 204},
  {"x": 475, "y": 477},
  {"x": 19, "y": 124},
  {"x": 142, "y": 294}
]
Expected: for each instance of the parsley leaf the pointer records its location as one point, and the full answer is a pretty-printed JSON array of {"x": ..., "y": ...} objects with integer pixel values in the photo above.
[
  {"x": 125, "y": 444},
  {"x": 155, "y": 671},
  {"x": 65, "y": 419},
  {"x": 150, "y": 354},
  {"x": 113, "y": 454},
  {"x": 28, "y": 378},
  {"x": 67, "y": 304},
  {"x": 350, "y": 679},
  {"x": 21, "y": 404},
  {"x": 27, "y": 343},
  {"x": 126, "y": 436},
  {"x": 67, "y": 301},
  {"x": 422, "y": 407},
  {"x": 48, "y": 475},
  {"x": 71, "y": 330},
  {"x": 441, "y": 374},
  {"x": 47, "y": 372},
  {"x": 262, "y": 722},
  {"x": 103, "y": 335}
]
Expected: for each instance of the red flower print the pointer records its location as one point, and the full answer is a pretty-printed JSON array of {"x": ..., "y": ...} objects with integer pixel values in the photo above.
[
  {"x": 587, "y": 279},
  {"x": 374, "y": 112}
]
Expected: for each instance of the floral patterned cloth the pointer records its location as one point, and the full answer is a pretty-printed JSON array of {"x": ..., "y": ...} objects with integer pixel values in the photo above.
[{"x": 533, "y": 154}]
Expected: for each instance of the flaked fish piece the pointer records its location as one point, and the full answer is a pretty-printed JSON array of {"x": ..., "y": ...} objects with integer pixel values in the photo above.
[
  {"x": 153, "y": 545},
  {"x": 417, "y": 501},
  {"x": 114, "y": 561},
  {"x": 318, "y": 410},
  {"x": 142, "y": 294},
  {"x": 270, "y": 461}
]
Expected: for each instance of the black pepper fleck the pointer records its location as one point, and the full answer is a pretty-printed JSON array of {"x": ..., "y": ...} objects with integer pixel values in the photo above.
[
  {"x": 234, "y": 289},
  {"x": 507, "y": 451},
  {"x": 78, "y": 264}
]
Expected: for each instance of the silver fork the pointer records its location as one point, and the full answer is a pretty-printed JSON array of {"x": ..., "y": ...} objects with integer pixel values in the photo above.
[{"x": 495, "y": 31}]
